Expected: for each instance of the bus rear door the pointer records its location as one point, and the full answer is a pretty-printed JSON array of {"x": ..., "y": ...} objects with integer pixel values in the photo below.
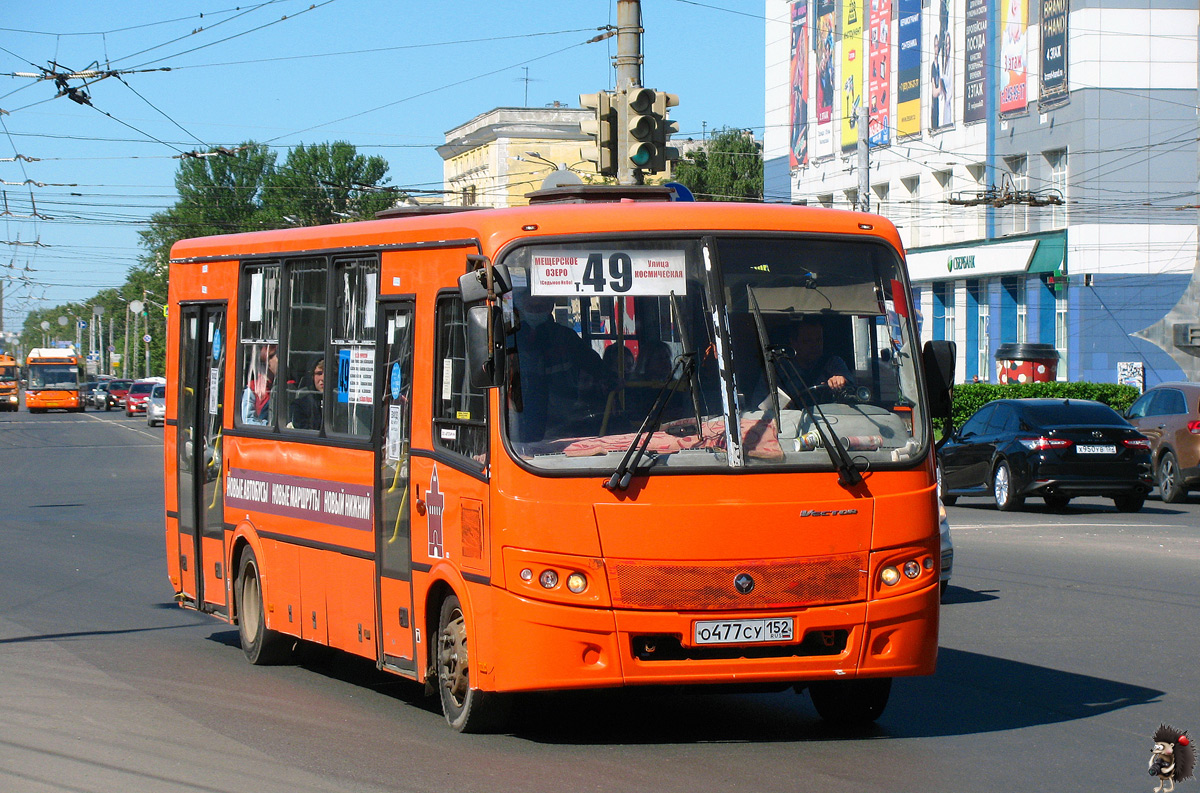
[{"x": 200, "y": 456}]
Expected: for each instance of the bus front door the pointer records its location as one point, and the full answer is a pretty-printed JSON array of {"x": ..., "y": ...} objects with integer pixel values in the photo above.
[
  {"x": 393, "y": 524},
  {"x": 200, "y": 456}
]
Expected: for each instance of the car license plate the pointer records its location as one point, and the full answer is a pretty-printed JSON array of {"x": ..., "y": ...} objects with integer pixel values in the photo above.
[
  {"x": 778, "y": 629},
  {"x": 1096, "y": 449}
]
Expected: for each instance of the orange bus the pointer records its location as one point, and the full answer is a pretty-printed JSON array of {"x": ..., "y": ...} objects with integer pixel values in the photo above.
[
  {"x": 10, "y": 385},
  {"x": 572, "y": 445},
  {"x": 55, "y": 378}
]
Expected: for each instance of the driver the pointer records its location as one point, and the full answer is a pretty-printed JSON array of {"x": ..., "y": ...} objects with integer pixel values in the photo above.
[{"x": 816, "y": 367}]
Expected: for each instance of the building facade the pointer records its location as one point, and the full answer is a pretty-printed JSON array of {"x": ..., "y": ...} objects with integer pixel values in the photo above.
[
  {"x": 1038, "y": 156},
  {"x": 497, "y": 157}
]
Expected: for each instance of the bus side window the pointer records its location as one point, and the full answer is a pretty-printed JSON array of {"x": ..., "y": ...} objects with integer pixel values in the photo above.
[
  {"x": 355, "y": 288},
  {"x": 459, "y": 411},
  {"x": 259, "y": 345},
  {"x": 306, "y": 311}
]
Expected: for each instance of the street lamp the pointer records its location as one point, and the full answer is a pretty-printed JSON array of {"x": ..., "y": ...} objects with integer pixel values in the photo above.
[{"x": 136, "y": 307}]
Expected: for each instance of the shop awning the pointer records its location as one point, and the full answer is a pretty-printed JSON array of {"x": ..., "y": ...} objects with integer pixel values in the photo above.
[{"x": 1050, "y": 255}]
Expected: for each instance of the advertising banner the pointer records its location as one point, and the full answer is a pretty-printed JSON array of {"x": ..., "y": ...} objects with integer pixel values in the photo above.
[
  {"x": 825, "y": 54},
  {"x": 798, "y": 148},
  {"x": 1054, "y": 87},
  {"x": 852, "y": 72},
  {"x": 941, "y": 68},
  {"x": 908, "y": 70},
  {"x": 975, "y": 101},
  {"x": 879, "y": 120},
  {"x": 1014, "y": 28}
]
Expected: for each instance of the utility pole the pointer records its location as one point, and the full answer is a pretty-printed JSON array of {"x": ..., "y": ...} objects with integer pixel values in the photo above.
[
  {"x": 864, "y": 160},
  {"x": 629, "y": 77}
]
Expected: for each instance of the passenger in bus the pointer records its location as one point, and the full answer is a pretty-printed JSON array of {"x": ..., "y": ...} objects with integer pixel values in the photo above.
[
  {"x": 307, "y": 410},
  {"x": 816, "y": 367},
  {"x": 258, "y": 397},
  {"x": 654, "y": 361},
  {"x": 559, "y": 375},
  {"x": 619, "y": 364}
]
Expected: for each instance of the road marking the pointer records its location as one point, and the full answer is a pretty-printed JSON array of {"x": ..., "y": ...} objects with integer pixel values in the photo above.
[{"x": 124, "y": 426}]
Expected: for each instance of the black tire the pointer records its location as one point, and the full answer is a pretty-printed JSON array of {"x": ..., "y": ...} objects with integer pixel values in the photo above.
[
  {"x": 949, "y": 501},
  {"x": 107, "y": 405},
  {"x": 1170, "y": 486},
  {"x": 1003, "y": 491},
  {"x": 851, "y": 703},
  {"x": 1056, "y": 500},
  {"x": 261, "y": 645},
  {"x": 1130, "y": 503},
  {"x": 466, "y": 709},
  {"x": 944, "y": 586}
]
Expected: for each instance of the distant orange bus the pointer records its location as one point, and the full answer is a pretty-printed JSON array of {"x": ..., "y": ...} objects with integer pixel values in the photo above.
[
  {"x": 56, "y": 376},
  {"x": 10, "y": 383},
  {"x": 576, "y": 445}
]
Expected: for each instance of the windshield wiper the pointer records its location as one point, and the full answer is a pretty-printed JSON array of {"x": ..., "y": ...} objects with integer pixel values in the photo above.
[{"x": 848, "y": 474}]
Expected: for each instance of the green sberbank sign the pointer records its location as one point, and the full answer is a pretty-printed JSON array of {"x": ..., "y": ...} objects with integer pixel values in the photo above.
[{"x": 960, "y": 263}]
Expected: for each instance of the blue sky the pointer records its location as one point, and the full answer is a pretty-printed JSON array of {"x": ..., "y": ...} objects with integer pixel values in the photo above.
[{"x": 389, "y": 77}]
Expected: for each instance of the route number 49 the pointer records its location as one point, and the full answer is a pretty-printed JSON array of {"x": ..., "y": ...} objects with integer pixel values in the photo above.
[{"x": 620, "y": 272}]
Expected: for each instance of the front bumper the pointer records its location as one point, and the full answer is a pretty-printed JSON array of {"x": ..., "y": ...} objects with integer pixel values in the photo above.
[{"x": 572, "y": 647}]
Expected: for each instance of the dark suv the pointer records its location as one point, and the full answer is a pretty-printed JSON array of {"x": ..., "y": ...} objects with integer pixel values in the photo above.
[{"x": 1169, "y": 415}]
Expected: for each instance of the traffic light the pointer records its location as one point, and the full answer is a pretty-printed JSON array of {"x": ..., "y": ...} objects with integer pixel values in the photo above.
[
  {"x": 603, "y": 129},
  {"x": 663, "y": 129},
  {"x": 641, "y": 125}
]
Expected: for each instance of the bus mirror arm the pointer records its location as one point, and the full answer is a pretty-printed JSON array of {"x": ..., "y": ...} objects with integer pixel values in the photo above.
[{"x": 485, "y": 353}]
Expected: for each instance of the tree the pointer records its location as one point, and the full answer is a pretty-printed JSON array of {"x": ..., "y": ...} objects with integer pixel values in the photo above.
[
  {"x": 728, "y": 168},
  {"x": 327, "y": 183},
  {"x": 221, "y": 194}
]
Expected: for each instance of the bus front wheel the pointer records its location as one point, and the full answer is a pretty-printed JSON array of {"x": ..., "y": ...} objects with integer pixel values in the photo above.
[
  {"x": 851, "y": 702},
  {"x": 467, "y": 709},
  {"x": 260, "y": 644}
]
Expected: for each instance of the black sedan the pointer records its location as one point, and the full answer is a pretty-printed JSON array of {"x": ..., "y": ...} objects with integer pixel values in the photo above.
[{"x": 1054, "y": 448}]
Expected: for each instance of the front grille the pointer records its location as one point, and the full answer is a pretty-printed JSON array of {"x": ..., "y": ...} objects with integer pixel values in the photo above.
[{"x": 709, "y": 586}]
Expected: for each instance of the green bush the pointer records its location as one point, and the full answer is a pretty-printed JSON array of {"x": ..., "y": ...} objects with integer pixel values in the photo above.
[{"x": 969, "y": 397}]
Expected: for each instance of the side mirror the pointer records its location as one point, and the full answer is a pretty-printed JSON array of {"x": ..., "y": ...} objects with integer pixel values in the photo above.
[
  {"x": 938, "y": 357},
  {"x": 485, "y": 348},
  {"x": 473, "y": 285}
]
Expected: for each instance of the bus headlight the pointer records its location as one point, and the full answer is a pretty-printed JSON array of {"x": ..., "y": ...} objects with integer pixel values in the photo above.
[
  {"x": 890, "y": 576},
  {"x": 548, "y": 579},
  {"x": 576, "y": 582}
]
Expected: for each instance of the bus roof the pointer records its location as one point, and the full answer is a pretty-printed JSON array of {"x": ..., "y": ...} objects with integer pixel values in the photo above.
[{"x": 494, "y": 228}]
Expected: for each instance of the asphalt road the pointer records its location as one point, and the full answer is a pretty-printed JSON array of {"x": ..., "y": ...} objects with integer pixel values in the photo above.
[{"x": 1066, "y": 639}]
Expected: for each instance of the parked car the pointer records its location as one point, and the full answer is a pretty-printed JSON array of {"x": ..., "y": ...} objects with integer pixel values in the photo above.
[
  {"x": 156, "y": 408},
  {"x": 1054, "y": 448},
  {"x": 85, "y": 393},
  {"x": 137, "y": 397},
  {"x": 1169, "y": 415}
]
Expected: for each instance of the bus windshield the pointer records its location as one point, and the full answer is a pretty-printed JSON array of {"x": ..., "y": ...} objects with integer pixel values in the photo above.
[
  {"x": 53, "y": 375},
  {"x": 8, "y": 373},
  {"x": 743, "y": 351}
]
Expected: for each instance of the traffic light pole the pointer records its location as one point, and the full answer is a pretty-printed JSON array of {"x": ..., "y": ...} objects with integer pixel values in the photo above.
[{"x": 629, "y": 78}]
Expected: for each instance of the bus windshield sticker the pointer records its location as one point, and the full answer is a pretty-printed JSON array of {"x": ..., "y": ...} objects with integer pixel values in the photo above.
[
  {"x": 448, "y": 380},
  {"x": 608, "y": 272},
  {"x": 369, "y": 306}
]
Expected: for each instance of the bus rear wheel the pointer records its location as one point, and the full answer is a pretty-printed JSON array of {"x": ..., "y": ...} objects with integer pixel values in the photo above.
[
  {"x": 261, "y": 645},
  {"x": 467, "y": 709},
  {"x": 851, "y": 703}
]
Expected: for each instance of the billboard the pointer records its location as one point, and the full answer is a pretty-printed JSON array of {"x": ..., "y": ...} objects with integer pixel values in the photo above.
[
  {"x": 975, "y": 100},
  {"x": 798, "y": 138},
  {"x": 941, "y": 68},
  {"x": 879, "y": 80},
  {"x": 824, "y": 47},
  {"x": 852, "y": 72},
  {"x": 908, "y": 69},
  {"x": 1014, "y": 28},
  {"x": 1054, "y": 88}
]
